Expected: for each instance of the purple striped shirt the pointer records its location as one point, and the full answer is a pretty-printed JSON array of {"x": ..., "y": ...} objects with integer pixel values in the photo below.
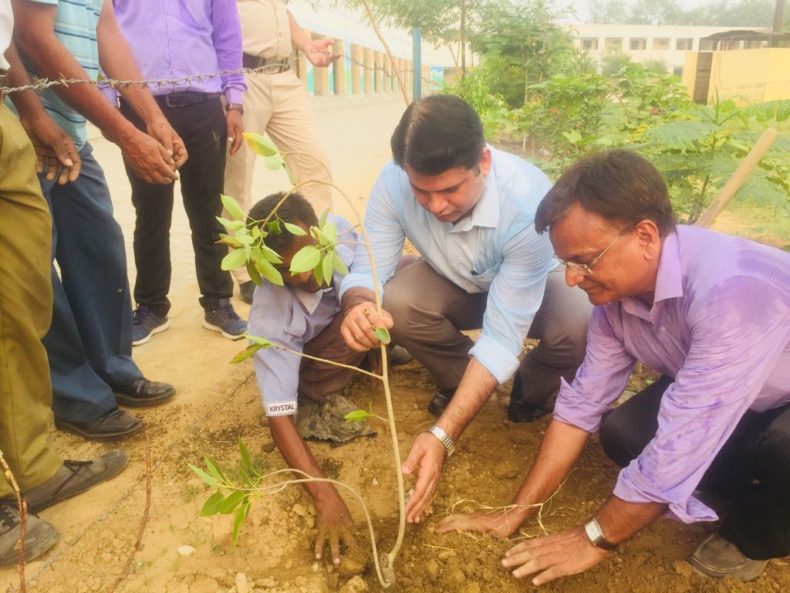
[
  {"x": 720, "y": 325},
  {"x": 177, "y": 38}
]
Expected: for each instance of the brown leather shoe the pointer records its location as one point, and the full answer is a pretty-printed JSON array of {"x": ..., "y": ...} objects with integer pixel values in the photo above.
[
  {"x": 143, "y": 392},
  {"x": 716, "y": 557},
  {"x": 440, "y": 401}
]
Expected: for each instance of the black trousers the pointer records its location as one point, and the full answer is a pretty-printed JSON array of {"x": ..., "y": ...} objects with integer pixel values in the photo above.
[
  {"x": 200, "y": 121},
  {"x": 751, "y": 472}
]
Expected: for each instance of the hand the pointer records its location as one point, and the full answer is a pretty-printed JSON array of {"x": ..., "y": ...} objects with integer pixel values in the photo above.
[
  {"x": 563, "y": 554},
  {"x": 149, "y": 159},
  {"x": 54, "y": 150},
  {"x": 235, "y": 130},
  {"x": 500, "y": 523},
  {"x": 319, "y": 53},
  {"x": 334, "y": 526},
  {"x": 161, "y": 130},
  {"x": 358, "y": 325},
  {"x": 427, "y": 453}
]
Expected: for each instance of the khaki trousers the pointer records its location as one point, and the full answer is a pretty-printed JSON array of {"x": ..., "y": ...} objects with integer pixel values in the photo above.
[
  {"x": 25, "y": 312},
  {"x": 278, "y": 104},
  {"x": 430, "y": 312}
]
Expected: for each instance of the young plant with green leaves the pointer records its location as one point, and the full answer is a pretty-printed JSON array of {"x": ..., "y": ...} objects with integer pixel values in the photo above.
[{"x": 246, "y": 239}]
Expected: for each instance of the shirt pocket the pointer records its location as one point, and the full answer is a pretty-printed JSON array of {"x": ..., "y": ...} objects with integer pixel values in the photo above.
[{"x": 484, "y": 275}]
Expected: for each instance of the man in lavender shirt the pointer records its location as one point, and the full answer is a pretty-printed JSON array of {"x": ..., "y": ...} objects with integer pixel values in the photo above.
[
  {"x": 175, "y": 40},
  {"x": 711, "y": 313}
]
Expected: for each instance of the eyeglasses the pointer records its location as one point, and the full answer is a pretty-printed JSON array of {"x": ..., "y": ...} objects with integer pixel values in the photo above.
[{"x": 587, "y": 269}]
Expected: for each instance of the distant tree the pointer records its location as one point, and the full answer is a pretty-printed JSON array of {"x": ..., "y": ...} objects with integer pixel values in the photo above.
[
  {"x": 724, "y": 13},
  {"x": 614, "y": 62}
]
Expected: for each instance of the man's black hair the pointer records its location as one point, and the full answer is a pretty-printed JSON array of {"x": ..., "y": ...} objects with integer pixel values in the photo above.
[
  {"x": 295, "y": 209},
  {"x": 617, "y": 185},
  {"x": 438, "y": 133}
]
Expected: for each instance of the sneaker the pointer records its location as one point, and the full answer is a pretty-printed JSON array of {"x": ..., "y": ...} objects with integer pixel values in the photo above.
[
  {"x": 73, "y": 478},
  {"x": 40, "y": 536},
  {"x": 115, "y": 424},
  {"x": 716, "y": 557},
  {"x": 147, "y": 323},
  {"x": 143, "y": 393},
  {"x": 225, "y": 321},
  {"x": 246, "y": 290}
]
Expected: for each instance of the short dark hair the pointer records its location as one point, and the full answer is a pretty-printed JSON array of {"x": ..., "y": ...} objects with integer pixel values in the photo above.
[
  {"x": 438, "y": 133},
  {"x": 294, "y": 209},
  {"x": 617, "y": 185}
]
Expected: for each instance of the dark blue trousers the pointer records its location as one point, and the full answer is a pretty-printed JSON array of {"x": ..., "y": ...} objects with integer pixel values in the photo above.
[{"x": 90, "y": 341}]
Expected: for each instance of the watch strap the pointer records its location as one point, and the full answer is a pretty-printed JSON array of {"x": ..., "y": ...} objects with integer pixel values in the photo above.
[
  {"x": 593, "y": 531},
  {"x": 444, "y": 438}
]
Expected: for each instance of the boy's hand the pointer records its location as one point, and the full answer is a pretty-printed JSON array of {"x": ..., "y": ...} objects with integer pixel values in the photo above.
[{"x": 335, "y": 527}]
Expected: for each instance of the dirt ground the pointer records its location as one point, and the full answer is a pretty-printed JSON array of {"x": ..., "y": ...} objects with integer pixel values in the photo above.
[{"x": 218, "y": 403}]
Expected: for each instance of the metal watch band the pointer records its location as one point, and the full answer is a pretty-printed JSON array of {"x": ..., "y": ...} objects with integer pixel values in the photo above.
[
  {"x": 444, "y": 438},
  {"x": 593, "y": 531}
]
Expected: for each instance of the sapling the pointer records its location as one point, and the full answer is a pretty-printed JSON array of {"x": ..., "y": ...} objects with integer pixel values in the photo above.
[{"x": 246, "y": 239}]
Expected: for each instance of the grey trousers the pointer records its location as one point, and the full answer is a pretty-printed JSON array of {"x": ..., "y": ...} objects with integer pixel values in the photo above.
[{"x": 430, "y": 312}]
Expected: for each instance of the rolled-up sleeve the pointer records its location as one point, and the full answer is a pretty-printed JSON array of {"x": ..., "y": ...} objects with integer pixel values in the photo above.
[{"x": 514, "y": 297}]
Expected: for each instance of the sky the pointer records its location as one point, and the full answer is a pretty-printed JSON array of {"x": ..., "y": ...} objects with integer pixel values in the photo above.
[{"x": 582, "y": 10}]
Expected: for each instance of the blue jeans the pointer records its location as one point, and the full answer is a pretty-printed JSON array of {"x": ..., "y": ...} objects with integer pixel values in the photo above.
[{"x": 90, "y": 341}]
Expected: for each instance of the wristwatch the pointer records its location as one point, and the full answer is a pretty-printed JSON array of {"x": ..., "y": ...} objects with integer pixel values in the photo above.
[
  {"x": 444, "y": 438},
  {"x": 235, "y": 107},
  {"x": 595, "y": 534}
]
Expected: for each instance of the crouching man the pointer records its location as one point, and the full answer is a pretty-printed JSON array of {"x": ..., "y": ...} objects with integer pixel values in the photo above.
[{"x": 709, "y": 312}]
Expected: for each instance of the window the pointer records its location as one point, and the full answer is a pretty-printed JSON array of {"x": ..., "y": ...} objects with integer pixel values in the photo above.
[
  {"x": 684, "y": 44},
  {"x": 637, "y": 43},
  {"x": 614, "y": 43},
  {"x": 589, "y": 43},
  {"x": 661, "y": 43}
]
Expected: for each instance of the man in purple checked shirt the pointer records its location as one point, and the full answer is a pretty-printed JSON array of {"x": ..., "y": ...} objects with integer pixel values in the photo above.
[
  {"x": 712, "y": 314},
  {"x": 175, "y": 39}
]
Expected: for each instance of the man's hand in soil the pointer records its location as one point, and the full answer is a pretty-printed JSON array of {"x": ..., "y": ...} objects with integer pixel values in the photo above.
[
  {"x": 500, "y": 523},
  {"x": 427, "y": 456},
  {"x": 359, "y": 322},
  {"x": 549, "y": 558},
  {"x": 335, "y": 527}
]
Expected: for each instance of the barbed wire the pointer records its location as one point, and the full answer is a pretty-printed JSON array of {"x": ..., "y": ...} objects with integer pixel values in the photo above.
[{"x": 39, "y": 84}]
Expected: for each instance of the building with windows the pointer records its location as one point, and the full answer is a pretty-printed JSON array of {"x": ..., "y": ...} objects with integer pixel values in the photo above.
[{"x": 646, "y": 43}]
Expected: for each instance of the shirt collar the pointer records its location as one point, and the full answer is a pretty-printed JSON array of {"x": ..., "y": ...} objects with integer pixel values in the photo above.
[
  {"x": 669, "y": 278},
  {"x": 486, "y": 211}
]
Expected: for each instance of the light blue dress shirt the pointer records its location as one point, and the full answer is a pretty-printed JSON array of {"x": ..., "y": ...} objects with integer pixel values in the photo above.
[
  {"x": 292, "y": 317},
  {"x": 494, "y": 250}
]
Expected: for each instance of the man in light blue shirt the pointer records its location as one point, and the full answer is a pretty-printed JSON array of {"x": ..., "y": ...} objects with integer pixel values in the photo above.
[{"x": 469, "y": 210}]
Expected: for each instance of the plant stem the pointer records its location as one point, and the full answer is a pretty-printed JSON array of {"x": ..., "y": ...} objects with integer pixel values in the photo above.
[{"x": 375, "y": 26}]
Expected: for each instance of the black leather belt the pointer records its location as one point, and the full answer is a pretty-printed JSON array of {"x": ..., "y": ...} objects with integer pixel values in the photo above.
[
  {"x": 274, "y": 66},
  {"x": 185, "y": 98}
]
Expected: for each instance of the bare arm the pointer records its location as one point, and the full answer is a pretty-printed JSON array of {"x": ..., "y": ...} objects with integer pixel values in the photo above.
[
  {"x": 35, "y": 37},
  {"x": 334, "y": 518},
  {"x": 317, "y": 51},
  {"x": 54, "y": 148}
]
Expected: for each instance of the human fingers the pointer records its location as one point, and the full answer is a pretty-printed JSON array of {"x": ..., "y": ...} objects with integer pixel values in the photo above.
[
  {"x": 348, "y": 333},
  {"x": 320, "y": 540},
  {"x": 460, "y": 522},
  {"x": 334, "y": 545}
]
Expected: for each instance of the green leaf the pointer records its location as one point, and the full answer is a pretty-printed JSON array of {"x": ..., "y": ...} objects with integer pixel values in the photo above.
[
  {"x": 230, "y": 241},
  {"x": 253, "y": 273},
  {"x": 294, "y": 229},
  {"x": 263, "y": 342},
  {"x": 383, "y": 335},
  {"x": 231, "y": 502},
  {"x": 307, "y": 258},
  {"x": 231, "y": 225},
  {"x": 326, "y": 268},
  {"x": 235, "y": 259},
  {"x": 260, "y": 144},
  {"x": 203, "y": 475},
  {"x": 273, "y": 226},
  {"x": 232, "y": 207},
  {"x": 246, "y": 458},
  {"x": 357, "y": 416},
  {"x": 271, "y": 255},
  {"x": 322, "y": 219},
  {"x": 337, "y": 261},
  {"x": 248, "y": 352},
  {"x": 330, "y": 232},
  {"x": 214, "y": 469},
  {"x": 269, "y": 272},
  {"x": 273, "y": 163},
  {"x": 238, "y": 519},
  {"x": 212, "y": 505},
  {"x": 318, "y": 272}
]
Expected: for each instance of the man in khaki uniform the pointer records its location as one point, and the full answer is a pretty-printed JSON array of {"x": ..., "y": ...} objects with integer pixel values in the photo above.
[{"x": 277, "y": 103}]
